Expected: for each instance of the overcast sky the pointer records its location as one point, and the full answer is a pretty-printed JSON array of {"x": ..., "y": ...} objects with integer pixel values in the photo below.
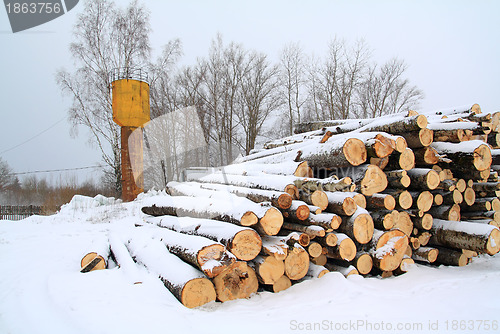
[{"x": 452, "y": 49}]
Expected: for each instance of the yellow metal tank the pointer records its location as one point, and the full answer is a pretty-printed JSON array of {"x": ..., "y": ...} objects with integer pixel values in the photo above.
[{"x": 130, "y": 102}]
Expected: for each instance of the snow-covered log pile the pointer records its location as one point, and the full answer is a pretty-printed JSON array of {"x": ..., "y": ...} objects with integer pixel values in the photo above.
[{"x": 367, "y": 197}]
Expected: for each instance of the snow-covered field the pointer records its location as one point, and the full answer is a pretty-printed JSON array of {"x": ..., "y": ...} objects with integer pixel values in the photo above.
[{"x": 42, "y": 290}]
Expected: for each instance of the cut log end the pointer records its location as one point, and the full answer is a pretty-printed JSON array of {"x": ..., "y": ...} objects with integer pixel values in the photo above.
[
  {"x": 407, "y": 159},
  {"x": 281, "y": 284},
  {"x": 347, "y": 249},
  {"x": 482, "y": 158},
  {"x": 493, "y": 243},
  {"x": 284, "y": 201},
  {"x": 363, "y": 228},
  {"x": 92, "y": 261},
  {"x": 389, "y": 250},
  {"x": 272, "y": 221},
  {"x": 364, "y": 264},
  {"x": 296, "y": 263},
  {"x": 249, "y": 218},
  {"x": 354, "y": 151},
  {"x": 319, "y": 199},
  {"x": 422, "y": 121},
  {"x": 214, "y": 252},
  {"x": 426, "y": 137},
  {"x": 197, "y": 292},
  {"x": 237, "y": 281},
  {"x": 246, "y": 245},
  {"x": 374, "y": 181},
  {"x": 303, "y": 170}
]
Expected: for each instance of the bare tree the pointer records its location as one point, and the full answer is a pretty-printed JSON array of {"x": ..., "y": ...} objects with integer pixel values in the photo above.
[
  {"x": 385, "y": 91},
  {"x": 293, "y": 82},
  {"x": 258, "y": 97},
  {"x": 6, "y": 176},
  {"x": 105, "y": 37}
]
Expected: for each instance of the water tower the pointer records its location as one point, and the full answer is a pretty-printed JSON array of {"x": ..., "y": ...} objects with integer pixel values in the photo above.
[{"x": 130, "y": 92}]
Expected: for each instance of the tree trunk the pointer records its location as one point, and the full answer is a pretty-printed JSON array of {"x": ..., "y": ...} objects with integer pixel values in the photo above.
[
  {"x": 346, "y": 271},
  {"x": 423, "y": 179},
  {"x": 466, "y": 155},
  {"x": 297, "y": 211},
  {"x": 312, "y": 231},
  {"x": 345, "y": 249},
  {"x": 380, "y": 201},
  {"x": 422, "y": 200},
  {"x": 426, "y": 156},
  {"x": 384, "y": 219},
  {"x": 296, "y": 263},
  {"x": 340, "y": 203},
  {"x": 369, "y": 179},
  {"x": 451, "y": 257},
  {"x": 425, "y": 254},
  {"x": 403, "y": 198},
  {"x": 328, "y": 221},
  {"x": 404, "y": 160},
  {"x": 398, "y": 179},
  {"x": 418, "y": 139},
  {"x": 446, "y": 212}
]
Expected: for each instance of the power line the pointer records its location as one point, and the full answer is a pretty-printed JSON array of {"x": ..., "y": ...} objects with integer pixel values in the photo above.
[
  {"x": 57, "y": 170},
  {"x": 35, "y": 136}
]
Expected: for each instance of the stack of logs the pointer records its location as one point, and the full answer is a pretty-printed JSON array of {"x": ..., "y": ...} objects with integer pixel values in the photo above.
[{"x": 364, "y": 197}]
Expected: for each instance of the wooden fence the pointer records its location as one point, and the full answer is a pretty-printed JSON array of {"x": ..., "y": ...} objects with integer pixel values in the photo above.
[{"x": 18, "y": 212}]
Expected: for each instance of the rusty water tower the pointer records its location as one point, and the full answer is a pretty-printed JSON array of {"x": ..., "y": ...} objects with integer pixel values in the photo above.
[{"x": 130, "y": 101}]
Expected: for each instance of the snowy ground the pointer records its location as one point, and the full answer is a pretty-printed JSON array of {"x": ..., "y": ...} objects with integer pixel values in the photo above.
[{"x": 42, "y": 290}]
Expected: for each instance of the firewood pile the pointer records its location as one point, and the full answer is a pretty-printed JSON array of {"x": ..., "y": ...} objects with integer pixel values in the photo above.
[{"x": 366, "y": 197}]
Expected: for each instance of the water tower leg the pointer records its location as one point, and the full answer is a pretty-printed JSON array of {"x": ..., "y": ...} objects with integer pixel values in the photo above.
[{"x": 132, "y": 162}]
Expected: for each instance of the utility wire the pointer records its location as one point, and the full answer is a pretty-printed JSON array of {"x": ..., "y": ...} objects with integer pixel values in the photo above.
[
  {"x": 57, "y": 170},
  {"x": 35, "y": 136}
]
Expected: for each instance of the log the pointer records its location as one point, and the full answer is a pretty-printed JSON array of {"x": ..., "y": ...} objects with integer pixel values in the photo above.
[
  {"x": 242, "y": 242},
  {"x": 312, "y": 231},
  {"x": 384, "y": 219},
  {"x": 345, "y": 249},
  {"x": 405, "y": 265},
  {"x": 404, "y": 223},
  {"x": 268, "y": 269},
  {"x": 329, "y": 240},
  {"x": 317, "y": 198},
  {"x": 327, "y": 184},
  {"x": 400, "y": 126},
  {"x": 423, "y": 222},
  {"x": 281, "y": 284},
  {"x": 451, "y": 257},
  {"x": 450, "y": 197},
  {"x": 379, "y": 162},
  {"x": 236, "y": 282},
  {"x": 328, "y": 221},
  {"x": 463, "y": 235},
  {"x": 278, "y": 199},
  {"x": 426, "y": 156},
  {"x": 380, "y": 147},
  {"x": 320, "y": 260},
  {"x": 340, "y": 153},
  {"x": 465, "y": 155},
  {"x": 422, "y": 200},
  {"x": 388, "y": 248},
  {"x": 316, "y": 271},
  {"x": 346, "y": 271},
  {"x": 362, "y": 261},
  {"x": 446, "y": 212},
  {"x": 275, "y": 246},
  {"x": 314, "y": 249},
  {"x": 280, "y": 183},
  {"x": 482, "y": 215},
  {"x": 450, "y": 136},
  {"x": 297, "y": 211},
  {"x": 404, "y": 160},
  {"x": 380, "y": 202},
  {"x": 404, "y": 199},
  {"x": 423, "y": 179},
  {"x": 186, "y": 283},
  {"x": 398, "y": 179},
  {"x": 359, "y": 226},
  {"x": 340, "y": 203},
  {"x": 209, "y": 256},
  {"x": 205, "y": 208},
  {"x": 480, "y": 204},
  {"x": 425, "y": 254},
  {"x": 296, "y": 263},
  {"x": 369, "y": 179},
  {"x": 418, "y": 139},
  {"x": 96, "y": 256}
]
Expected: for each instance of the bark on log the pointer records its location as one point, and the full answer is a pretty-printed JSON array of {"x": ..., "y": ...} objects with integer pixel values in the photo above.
[
  {"x": 426, "y": 156},
  {"x": 480, "y": 204},
  {"x": 312, "y": 231},
  {"x": 329, "y": 240},
  {"x": 316, "y": 271},
  {"x": 466, "y": 154},
  {"x": 96, "y": 256},
  {"x": 450, "y": 257},
  {"x": 462, "y": 235},
  {"x": 423, "y": 179},
  {"x": 380, "y": 202},
  {"x": 338, "y": 153},
  {"x": 317, "y": 198},
  {"x": 446, "y": 212},
  {"x": 186, "y": 283},
  {"x": 242, "y": 242},
  {"x": 359, "y": 226},
  {"x": 297, "y": 211},
  {"x": 407, "y": 124},
  {"x": 422, "y": 223},
  {"x": 425, "y": 254},
  {"x": 237, "y": 281},
  {"x": 328, "y": 221},
  {"x": 346, "y": 271},
  {"x": 404, "y": 160},
  {"x": 384, "y": 219},
  {"x": 398, "y": 179}
]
